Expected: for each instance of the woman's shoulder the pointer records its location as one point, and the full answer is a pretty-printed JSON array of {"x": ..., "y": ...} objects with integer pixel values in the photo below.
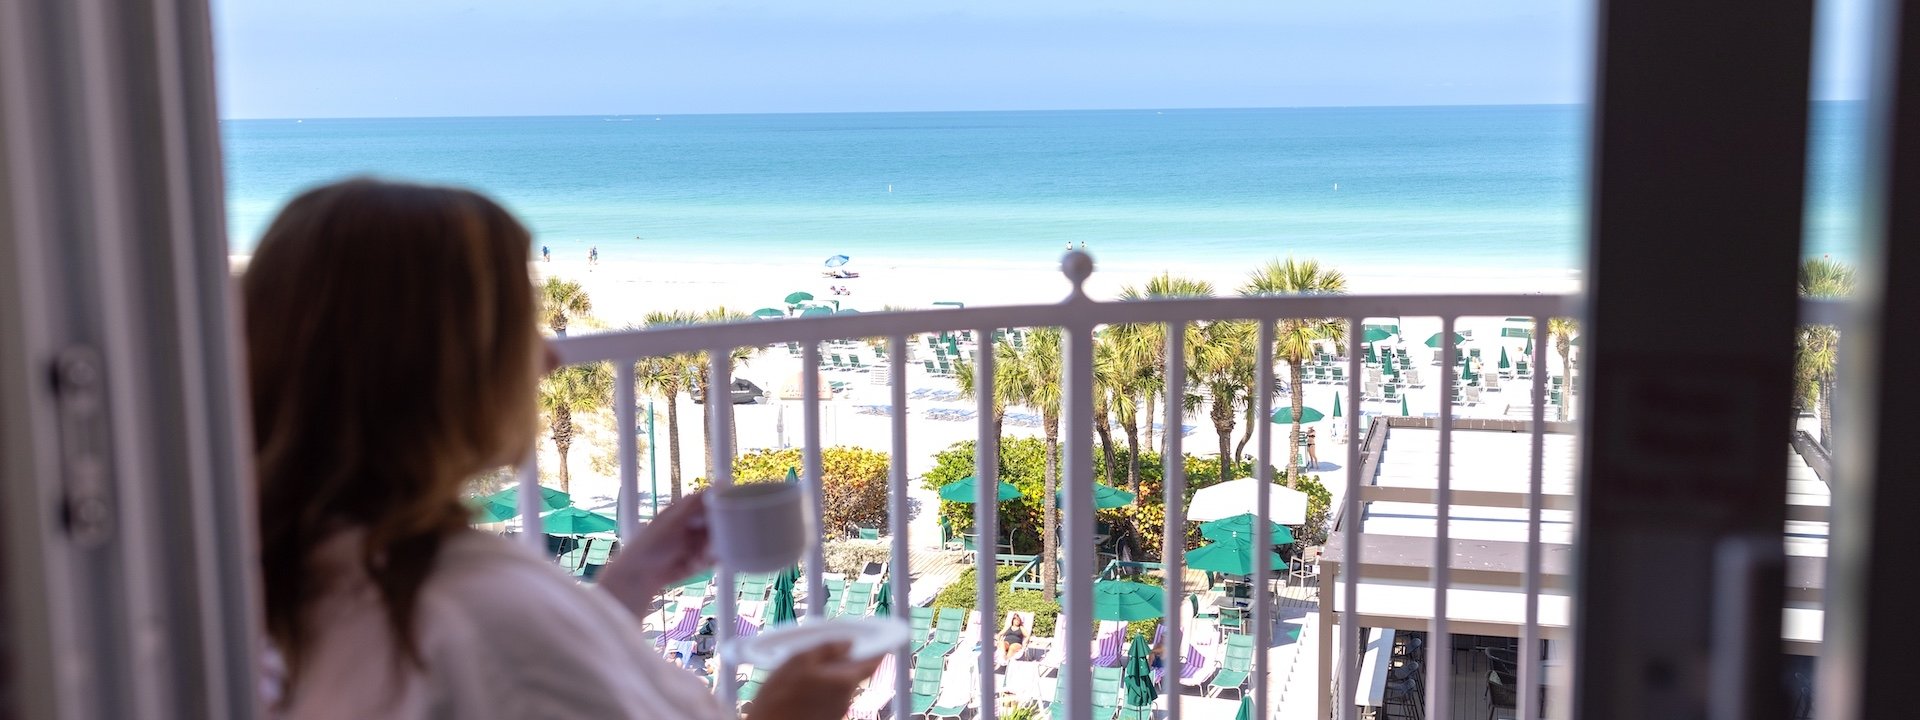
[{"x": 486, "y": 573}]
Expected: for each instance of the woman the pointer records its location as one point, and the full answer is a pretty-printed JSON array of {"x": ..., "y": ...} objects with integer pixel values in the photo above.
[
  {"x": 1313, "y": 451},
  {"x": 393, "y": 354},
  {"x": 1013, "y": 640}
]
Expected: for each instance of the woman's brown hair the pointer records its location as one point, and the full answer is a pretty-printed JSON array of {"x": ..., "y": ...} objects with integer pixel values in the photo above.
[{"x": 392, "y": 350}]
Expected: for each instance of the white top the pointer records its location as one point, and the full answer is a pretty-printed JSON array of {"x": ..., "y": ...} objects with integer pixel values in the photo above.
[{"x": 503, "y": 634}]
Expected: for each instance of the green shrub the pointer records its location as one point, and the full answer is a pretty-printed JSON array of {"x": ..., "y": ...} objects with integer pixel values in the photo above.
[
  {"x": 963, "y": 595},
  {"x": 855, "y": 487}
]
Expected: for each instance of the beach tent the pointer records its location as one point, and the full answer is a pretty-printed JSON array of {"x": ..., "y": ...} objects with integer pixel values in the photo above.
[{"x": 1224, "y": 500}]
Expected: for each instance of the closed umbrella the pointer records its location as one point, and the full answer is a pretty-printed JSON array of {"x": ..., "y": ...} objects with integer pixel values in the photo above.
[
  {"x": 1434, "y": 341},
  {"x": 1336, "y": 404},
  {"x": 797, "y": 297},
  {"x": 1246, "y": 708},
  {"x": 883, "y": 605},
  {"x": 574, "y": 521},
  {"x": 1105, "y": 497},
  {"x": 1241, "y": 526},
  {"x": 1404, "y": 412},
  {"x": 1232, "y": 556},
  {"x": 966, "y": 490},
  {"x": 782, "y": 611},
  {"x": 1284, "y": 415},
  {"x": 1528, "y": 350},
  {"x": 1127, "y": 601},
  {"x": 793, "y": 476},
  {"x": 1504, "y": 364},
  {"x": 1137, "y": 679}
]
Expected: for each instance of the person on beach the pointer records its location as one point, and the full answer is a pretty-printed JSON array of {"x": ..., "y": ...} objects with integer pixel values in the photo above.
[
  {"x": 380, "y": 600},
  {"x": 593, "y": 256},
  {"x": 545, "y": 254},
  {"x": 1313, "y": 453}
]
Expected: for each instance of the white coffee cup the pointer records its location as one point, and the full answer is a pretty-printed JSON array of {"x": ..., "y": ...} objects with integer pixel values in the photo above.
[{"x": 759, "y": 527}]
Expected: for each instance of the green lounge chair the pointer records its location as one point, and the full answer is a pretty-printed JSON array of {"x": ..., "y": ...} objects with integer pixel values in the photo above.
[
  {"x": 926, "y": 689},
  {"x": 1106, "y": 697},
  {"x": 836, "y": 590},
  {"x": 751, "y": 687},
  {"x": 921, "y": 620},
  {"x": 1235, "y": 667},
  {"x": 946, "y": 635},
  {"x": 853, "y": 363},
  {"x": 859, "y": 600}
]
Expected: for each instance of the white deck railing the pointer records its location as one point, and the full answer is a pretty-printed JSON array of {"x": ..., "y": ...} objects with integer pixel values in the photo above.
[{"x": 1078, "y": 316}]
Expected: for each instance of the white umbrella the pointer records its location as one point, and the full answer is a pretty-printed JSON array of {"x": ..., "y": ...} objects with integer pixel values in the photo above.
[{"x": 1218, "y": 502}]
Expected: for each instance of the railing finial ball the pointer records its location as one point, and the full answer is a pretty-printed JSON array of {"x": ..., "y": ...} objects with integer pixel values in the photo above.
[{"x": 1077, "y": 265}]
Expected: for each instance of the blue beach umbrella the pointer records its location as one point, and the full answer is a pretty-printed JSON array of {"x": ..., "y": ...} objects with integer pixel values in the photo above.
[{"x": 837, "y": 261}]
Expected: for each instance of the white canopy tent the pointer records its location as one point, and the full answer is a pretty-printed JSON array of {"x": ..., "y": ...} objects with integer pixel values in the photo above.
[{"x": 1216, "y": 502}]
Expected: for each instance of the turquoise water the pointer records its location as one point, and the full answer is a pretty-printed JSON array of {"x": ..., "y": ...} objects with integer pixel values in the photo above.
[{"x": 1399, "y": 186}]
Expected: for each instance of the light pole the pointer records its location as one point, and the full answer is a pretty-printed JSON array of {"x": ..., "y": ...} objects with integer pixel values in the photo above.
[{"x": 653, "y": 467}]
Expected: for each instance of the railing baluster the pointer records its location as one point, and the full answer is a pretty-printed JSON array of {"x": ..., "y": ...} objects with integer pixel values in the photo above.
[
  {"x": 1440, "y": 640},
  {"x": 1077, "y": 469},
  {"x": 1350, "y": 540},
  {"x": 623, "y": 418},
  {"x": 531, "y": 504},
  {"x": 1262, "y": 547},
  {"x": 719, "y": 402},
  {"x": 1173, "y": 533},
  {"x": 816, "y": 483},
  {"x": 898, "y": 569},
  {"x": 986, "y": 515},
  {"x": 1536, "y": 455}
]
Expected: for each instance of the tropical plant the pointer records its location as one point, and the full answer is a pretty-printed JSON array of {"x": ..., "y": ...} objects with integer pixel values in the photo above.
[
  {"x": 665, "y": 377},
  {"x": 854, "y": 481},
  {"x": 1147, "y": 342},
  {"x": 570, "y": 391},
  {"x": 1563, "y": 330},
  {"x": 561, "y": 302},
  {"x": 703, "y": 379},
  {"x": 1042, "y": 363},
  {"x": 1295, "y": 338},
  {"x": 1010, "y": 381},
  {"x": 1223, "y": 365},
  {"x": 1816, "y": 355}
]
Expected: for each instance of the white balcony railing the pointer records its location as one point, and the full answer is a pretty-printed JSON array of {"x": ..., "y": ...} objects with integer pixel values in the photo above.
[{"x": 1078, "y": 316}]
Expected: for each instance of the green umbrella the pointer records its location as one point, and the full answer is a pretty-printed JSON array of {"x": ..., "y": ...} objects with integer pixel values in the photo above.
[
  {"x": 782, "y": 611},
  {"x": 1246, "y": 708},
  {"x": 1528, "y": 351},
  {"x": 1434, "y": 341},
  {"x": 505, "y": 504},
  {"x": 1284, "y": 415},
  {"x": 1336, "y": 404},
  {"x": 1105, "y": 497},
  {"x": 1138, "y": 676},
  {"x": 1370, "y": 356},
  {"x": 966, "y": 490},
  {"x": 1129, "y": 601},
  {"x": 1404, "y": 412},
  {"x": 574, "y": 521},
  {"x": 793, "y": 476},
  {"x": 1232, "y": 556},
  {"x": 1503, "y": 358},
  {"x": 816, "y": 311},
  {"x": 1375, "y": 333},
  {"x": 883, "y": 605},
  {"x": 1241, "y": 526},
  {"x": 769, "y": 313},
  {"x": 795, "y": 298}
]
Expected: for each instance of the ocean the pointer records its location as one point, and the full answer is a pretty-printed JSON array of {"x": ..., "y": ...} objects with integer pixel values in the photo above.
[{"x": 1484, "y": 187}]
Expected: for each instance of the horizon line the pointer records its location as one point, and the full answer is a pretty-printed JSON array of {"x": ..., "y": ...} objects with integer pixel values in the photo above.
[{"x": 914, "y": 112}]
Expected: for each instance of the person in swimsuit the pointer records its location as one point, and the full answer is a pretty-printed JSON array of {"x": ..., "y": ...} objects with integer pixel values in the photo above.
[
  {"x": 1313, "y": 454},
  {"x": 1013, "y": 640}
]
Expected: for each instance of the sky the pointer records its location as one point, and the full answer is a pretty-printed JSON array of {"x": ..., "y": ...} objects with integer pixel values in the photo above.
[{"x": 414, "y": 58}]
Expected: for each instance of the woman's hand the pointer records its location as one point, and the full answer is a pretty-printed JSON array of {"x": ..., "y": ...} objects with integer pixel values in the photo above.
[
  {"x": 818, "y": 684},
  {"x": 673, "y": 547}
]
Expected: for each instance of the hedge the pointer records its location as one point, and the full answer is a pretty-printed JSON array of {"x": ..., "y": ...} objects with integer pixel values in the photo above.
[
  {"x": 855, "y": 487},
  {"x": 1046, "y": 613}
]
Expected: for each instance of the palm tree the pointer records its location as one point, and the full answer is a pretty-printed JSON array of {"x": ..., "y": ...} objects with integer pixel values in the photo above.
[
  {"x": 1106, "y": 382},
  {"x": 665, "y": 377},
  {"x": 1294, "y": 338},
  {"x": 1146, "y": 343},
  {"x": 703, "y": 379},
  {"x": 1042, "y": 363},
  {"x": 1817, "y": 355},
  {"x": 1562, "y": 330},
  {"x": 571, "y": 390},
  {"x": 1009, "y": 381},
  {"x": 563, "y": 301},
  {"x": 1223, "y": 364}
]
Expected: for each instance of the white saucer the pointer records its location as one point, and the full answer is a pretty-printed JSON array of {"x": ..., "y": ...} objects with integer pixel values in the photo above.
[{"x": 871, "y": 637}]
